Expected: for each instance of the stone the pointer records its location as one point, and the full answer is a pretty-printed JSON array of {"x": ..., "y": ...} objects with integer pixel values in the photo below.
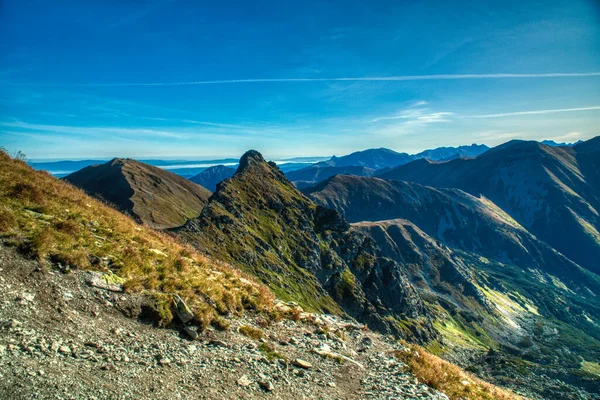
[
  {"x": 184, "y": 313},
  {"x": 108, "y": 281},
  {"x": 13, "y": 323},
  {"x": 302, "y": 364},
  {"x": 266, "y": 385},
  {"x": 217, "y": 343},
  {"x": 64, "y": 350},
  {"x": 191, "y": 332},
  {"x": 164, "y": 361},
  {"x": 244, "y": 381}
]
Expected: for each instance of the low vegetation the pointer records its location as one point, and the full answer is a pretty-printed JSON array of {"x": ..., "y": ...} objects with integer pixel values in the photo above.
[
  {"x": 251, "y": 332},
  {"x": 449, "y": 378},
  {"x": 56, "y": 223}
]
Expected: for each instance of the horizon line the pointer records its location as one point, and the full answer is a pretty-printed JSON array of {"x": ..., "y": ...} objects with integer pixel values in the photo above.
[{"x": 344, "y": 79}]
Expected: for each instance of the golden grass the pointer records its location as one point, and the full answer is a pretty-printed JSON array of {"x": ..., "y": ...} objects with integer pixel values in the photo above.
[
  {"x": 449, "y": 378},
  {"x": 51, "y": 220},
  {"x": 251, "y": 332}
]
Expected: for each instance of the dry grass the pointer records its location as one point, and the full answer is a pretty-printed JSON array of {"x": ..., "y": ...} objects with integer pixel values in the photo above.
[
  {"x": 449, "y": 378},
  {"x": 251, "y": 332},
  {"x": 51, "y": 220}
]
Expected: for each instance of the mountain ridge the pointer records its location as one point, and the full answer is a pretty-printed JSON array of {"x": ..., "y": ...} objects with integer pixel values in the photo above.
[
  {"x": 151, "y": 194},
  {"x": 551, "y": 191}
]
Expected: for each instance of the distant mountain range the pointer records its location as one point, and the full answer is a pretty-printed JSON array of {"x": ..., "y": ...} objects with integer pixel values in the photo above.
[
  {"x": 553, "y": 192},
  {"x": 150, "y": 194},
  {"x": 185, "y": 168},
  {"x": 375, "y": 161}
]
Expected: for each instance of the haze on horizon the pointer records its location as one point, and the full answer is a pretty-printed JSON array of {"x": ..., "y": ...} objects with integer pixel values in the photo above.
[{"x": 170, "y": 79}]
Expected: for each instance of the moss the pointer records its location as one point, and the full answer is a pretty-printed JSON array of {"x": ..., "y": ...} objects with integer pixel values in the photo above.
[{"x": 270, "y": 352}]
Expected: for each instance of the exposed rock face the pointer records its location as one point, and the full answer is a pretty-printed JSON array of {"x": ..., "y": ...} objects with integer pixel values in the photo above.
[
  {"x": 150, "y": 194},
  {"x": 306, "y": 253},
  {"x": 554, "y": 192},
  {"x": 212, "y": 176}
]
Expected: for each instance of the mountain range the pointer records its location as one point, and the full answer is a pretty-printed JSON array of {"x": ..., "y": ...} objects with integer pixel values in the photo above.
[
  {"x": 481, "y": 258},
  {"x": 551, "y": 191},
  {"x": 375, "y": 161}
]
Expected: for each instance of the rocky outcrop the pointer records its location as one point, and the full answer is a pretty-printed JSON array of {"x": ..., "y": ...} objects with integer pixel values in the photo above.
[{"x": 258, "y": 221}]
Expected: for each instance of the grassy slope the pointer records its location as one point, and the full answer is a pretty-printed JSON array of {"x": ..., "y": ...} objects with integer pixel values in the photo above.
[
  {"x": 450, "y": 379},
  {"x": 262, "y": 240},
  {"x": 51, "y": 220}
]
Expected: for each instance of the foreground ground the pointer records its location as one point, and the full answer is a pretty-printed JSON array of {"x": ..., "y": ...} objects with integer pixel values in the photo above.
[{"x": 61, "y": 338}]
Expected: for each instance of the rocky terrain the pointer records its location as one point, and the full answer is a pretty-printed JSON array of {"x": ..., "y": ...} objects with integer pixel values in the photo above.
[
  {"x": 270, "y": 292},
  {"x": 61, "y": 338},
  {"x": 150, "y": 194}
]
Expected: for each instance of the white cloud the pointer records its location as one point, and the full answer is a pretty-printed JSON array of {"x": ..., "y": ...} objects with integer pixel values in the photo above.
[
  {"x": 345, "y": 79},
  {"x": 535, "y": 112}
]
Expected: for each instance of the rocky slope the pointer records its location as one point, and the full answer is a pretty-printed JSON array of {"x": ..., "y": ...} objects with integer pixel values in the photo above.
[
  {"x": 486, "y": 281},
  {"x": 210, "y": 177},
  {"x": 553, "y": 192},
  {"x": 150, "y": 194},
  {"x": 62, "y": 338},
  {"x": 259, "y": 221}
]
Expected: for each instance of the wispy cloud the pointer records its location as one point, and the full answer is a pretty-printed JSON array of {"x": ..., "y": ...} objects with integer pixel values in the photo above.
[
  {"x": 416, "y": 114},
  {"x": 349, "y": 79},
  {"x": 535, "y": 112}
]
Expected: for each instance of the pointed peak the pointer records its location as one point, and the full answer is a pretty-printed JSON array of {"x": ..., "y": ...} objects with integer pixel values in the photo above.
[
  {"x": 249, "y": 158},
  {"x": 118, "y": 161}
]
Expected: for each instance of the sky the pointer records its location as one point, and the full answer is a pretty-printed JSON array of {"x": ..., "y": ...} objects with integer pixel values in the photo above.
[{"x": 204, "y": 80}]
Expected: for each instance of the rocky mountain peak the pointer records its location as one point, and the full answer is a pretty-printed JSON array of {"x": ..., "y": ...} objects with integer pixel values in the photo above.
[{"x": 249, "y": 158}]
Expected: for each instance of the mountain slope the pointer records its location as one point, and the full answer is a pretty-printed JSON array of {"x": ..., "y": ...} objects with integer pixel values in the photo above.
[
  {"x": 454, "y": 217},
  {"x": 486, "y": 281},
  {"x": 258, "y": 221},
  {"x": 55, "y": 223},
  {"x": 150, "y": 194},
  {"x": 210, "y": 177},
  {"x": 374, "y": 162},
  {"x": 552, "y": 191},
  {"x": 317, "y": 173}
]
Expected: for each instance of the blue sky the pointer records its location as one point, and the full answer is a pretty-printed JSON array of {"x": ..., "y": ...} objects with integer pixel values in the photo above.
[{"x": 184, "y": 79}]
